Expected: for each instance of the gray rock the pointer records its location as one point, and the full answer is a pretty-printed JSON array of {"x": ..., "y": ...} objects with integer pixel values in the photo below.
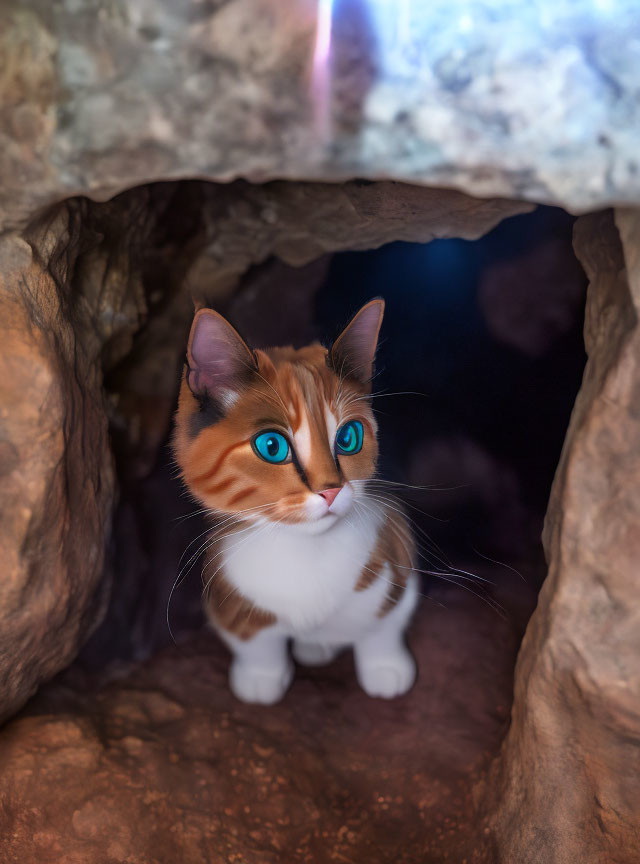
[{"x": 536, "y": 101}]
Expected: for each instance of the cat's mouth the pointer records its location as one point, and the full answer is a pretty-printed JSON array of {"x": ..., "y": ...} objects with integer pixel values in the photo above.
[{"x": 319, "y": 525}]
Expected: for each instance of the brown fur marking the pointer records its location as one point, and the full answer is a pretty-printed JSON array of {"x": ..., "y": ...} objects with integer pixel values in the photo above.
[
  {"x": 233, "y": 612},
  {"x": 244, "y": 493},
  {"x": 213, "y": 469},
  {"x": 394, "y": 547}
]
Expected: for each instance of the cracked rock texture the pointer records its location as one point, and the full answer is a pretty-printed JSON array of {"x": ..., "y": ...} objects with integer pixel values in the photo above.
[
  {"x": 101, "y": 293},
  {"x": 568, "y": 782},
  {"x": 98, "y": 97}
]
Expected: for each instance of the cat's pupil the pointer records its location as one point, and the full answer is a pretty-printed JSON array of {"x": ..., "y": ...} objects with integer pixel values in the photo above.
[
  {"x": 272, "y": 446},
  {"x": 347, "y": 436}
]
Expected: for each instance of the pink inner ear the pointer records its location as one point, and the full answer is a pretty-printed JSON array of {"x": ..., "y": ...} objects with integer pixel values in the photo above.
[
  {"x": 355, "y": 348},
  {"x": 218, "y": 358}
]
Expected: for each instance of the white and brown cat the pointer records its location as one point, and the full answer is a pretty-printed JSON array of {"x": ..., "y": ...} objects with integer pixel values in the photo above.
[{"x": 278, "y": 445}]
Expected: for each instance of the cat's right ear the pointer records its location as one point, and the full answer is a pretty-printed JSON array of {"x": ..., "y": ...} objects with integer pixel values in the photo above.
[
  {"x": 353, "y": 352},
  {"x": 217, "y": 357}
]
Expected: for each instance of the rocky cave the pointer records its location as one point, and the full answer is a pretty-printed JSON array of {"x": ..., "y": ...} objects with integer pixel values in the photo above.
[{"x": 156, "y": 157}]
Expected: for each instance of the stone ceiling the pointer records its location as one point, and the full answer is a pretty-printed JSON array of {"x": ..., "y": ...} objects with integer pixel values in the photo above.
[{"x": 493, "y": 98}]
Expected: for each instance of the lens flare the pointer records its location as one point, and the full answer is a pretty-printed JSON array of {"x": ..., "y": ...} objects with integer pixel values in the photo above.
[{"x": 320, "y": 85}]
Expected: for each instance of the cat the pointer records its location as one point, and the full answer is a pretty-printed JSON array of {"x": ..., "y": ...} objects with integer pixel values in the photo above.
[{"x": 278, "y": 446}]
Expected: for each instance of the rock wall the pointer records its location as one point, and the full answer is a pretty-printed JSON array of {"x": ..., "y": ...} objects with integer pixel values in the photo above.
[
  {"x": 568, "y": 783},
  {"x": 56, "y": 473}
]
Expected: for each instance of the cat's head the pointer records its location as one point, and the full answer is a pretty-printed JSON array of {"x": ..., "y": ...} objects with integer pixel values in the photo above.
[{"x": 281, "y": 434}]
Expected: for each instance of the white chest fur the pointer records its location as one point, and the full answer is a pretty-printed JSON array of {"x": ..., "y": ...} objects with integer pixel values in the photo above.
[{"x": 304, "y": 579}]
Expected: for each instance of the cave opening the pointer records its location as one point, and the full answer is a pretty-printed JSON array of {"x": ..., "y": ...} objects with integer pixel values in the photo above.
[{"x": 480, "y": 360}]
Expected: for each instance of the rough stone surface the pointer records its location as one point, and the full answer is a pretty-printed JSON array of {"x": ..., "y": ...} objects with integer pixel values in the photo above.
[
  {"x": 97, "y": 293},
  {"x": 72, "y": 291},
  {"x": 245, "y": 224},
  {"x": 165, "y": 766},
  {"x": 56, "y": 476},
  {"x": 569, "y": 781},
  {"x": 98, "y": 97}
]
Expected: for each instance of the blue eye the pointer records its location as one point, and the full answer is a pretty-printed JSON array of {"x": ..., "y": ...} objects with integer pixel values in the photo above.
[
  {"x": 349, "y": 437},
  {"x": 271, "y": 446}
]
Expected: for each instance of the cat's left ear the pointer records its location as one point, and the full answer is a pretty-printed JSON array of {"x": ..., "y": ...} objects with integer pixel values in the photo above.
[
  {"x": 353, "y": 352},
  {"x": 218, "y": 359}
]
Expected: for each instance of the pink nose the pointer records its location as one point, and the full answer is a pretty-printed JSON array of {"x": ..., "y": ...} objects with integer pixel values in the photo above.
[{"x": 330, "y": 495}]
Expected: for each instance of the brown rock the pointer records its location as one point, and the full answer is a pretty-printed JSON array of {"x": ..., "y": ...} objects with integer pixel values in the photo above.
[
  {"x": 568, "y": 783},
  {"x": 56, "y": 487},
  {"x": 71, "y": 296}
]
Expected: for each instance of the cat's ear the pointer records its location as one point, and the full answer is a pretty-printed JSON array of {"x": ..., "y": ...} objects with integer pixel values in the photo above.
[
  {"x": 353, "y": 352},
  {"x": 218, "y": 359}
]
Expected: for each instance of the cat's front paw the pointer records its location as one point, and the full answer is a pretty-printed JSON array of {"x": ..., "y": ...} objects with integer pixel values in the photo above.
[
  {"x": 260, "y": 685},
  {"x": 389, "y": 676}
]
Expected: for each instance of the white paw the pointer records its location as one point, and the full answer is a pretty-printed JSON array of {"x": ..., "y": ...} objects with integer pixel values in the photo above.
[
  {"x": 387, "y": 677},
  {"x": 259, "y": 684},
  {"x": 313, "y": 654}
]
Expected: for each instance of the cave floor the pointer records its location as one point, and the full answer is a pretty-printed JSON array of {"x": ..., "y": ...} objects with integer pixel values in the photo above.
[{"x": 163, "y": 765}]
